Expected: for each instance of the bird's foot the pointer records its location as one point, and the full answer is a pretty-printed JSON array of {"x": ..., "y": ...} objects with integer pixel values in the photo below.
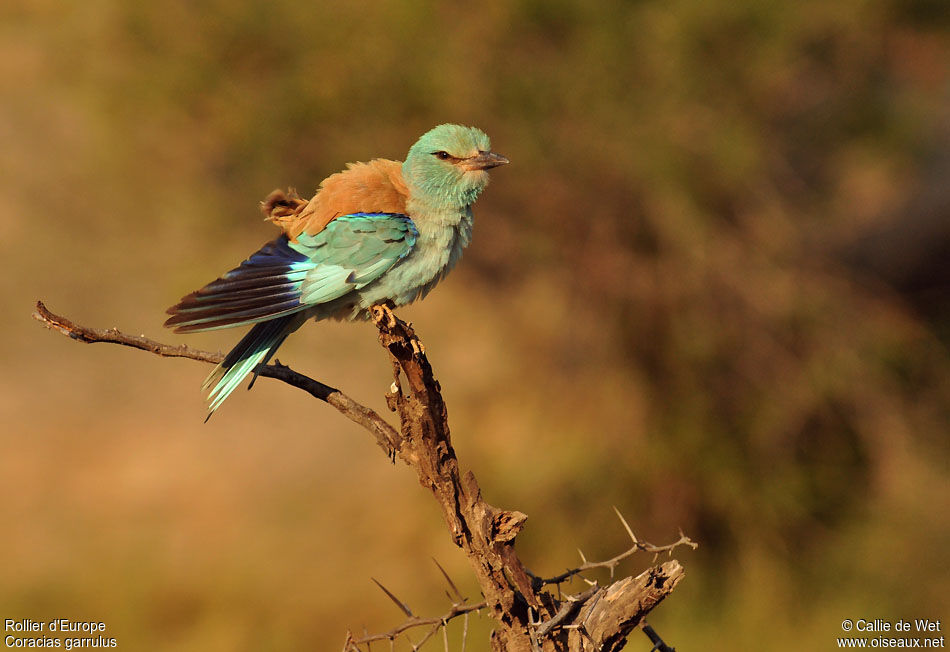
[{"x": 383, "y": 313}]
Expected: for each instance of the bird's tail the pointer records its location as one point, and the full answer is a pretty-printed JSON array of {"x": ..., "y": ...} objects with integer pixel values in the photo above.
[{"x": 256, "y": 348}]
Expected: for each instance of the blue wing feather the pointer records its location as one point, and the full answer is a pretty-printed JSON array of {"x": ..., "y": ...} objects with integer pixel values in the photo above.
[{"x": 285, "y": 277}]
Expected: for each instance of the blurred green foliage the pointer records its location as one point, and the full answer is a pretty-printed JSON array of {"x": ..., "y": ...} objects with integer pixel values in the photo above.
[{"x": 655, "y": 312}]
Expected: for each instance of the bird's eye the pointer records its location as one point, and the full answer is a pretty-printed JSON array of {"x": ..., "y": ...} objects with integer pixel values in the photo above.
[{"x": 442, "y": 156}]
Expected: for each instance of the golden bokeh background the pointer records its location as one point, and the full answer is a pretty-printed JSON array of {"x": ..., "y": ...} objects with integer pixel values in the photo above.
[{"x": 711, "y": 289}]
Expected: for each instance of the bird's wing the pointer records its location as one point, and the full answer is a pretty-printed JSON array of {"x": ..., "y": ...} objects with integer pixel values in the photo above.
[{"x": 285, "y": 277}]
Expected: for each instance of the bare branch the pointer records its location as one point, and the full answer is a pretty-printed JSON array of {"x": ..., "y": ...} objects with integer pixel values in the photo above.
[
  {"x": 658, "y": 644},
  {"x": 386, "y": 436},
  {"x": 611, "y": 614},
  {"x": 457, "y": 609},
  {"x": 611, "y": 564},
  {"x": 114, "y": 336}
]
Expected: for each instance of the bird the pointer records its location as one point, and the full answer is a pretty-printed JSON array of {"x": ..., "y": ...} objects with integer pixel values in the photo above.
[{"x": 382, "y": 232}]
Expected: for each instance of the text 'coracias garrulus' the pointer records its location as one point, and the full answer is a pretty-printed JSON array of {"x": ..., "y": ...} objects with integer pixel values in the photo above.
[{"x": 378, "y": 232}]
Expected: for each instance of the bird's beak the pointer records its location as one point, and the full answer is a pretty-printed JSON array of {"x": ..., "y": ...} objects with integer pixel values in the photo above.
[{"x": 483, "y": 161}]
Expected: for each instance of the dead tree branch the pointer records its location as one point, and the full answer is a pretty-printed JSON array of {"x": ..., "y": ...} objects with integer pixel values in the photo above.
[
  {"x": 386, "y": 436},
  {"x": 528, "y": 617},
  {"x": 606, "y": 620},
  {"x": 611, "y": 564},
  {"x": 353, "y": 644}
]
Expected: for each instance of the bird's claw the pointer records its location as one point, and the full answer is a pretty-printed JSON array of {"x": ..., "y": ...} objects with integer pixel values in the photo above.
[{"x": 381, "y": 312}]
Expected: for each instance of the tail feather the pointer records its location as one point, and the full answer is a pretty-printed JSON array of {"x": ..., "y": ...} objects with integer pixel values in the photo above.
[{"x": 256, "y": 348}]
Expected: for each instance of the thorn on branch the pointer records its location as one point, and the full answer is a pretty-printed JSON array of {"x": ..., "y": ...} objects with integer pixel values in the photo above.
[
  {"x": 448, "y": 579},
  {"x": 626, "y": 526},
  {"x": 399, "y": 603}
]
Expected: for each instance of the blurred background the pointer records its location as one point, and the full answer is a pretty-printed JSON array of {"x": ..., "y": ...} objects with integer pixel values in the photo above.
[{"x": 712, "y": 289}]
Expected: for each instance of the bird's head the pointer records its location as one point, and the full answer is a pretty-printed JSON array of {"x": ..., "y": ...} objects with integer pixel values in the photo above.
[{"x": 448, "y": 164}]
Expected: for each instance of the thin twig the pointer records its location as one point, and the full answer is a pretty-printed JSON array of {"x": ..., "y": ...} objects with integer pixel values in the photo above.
[
  {"x": 611, "y": 564},
  {"x": 410, "y": 623},
  {"x": 658, "y": 644}
]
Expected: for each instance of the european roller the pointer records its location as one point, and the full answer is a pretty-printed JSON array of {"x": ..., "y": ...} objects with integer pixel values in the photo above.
[{"x": 377, "y": 232}]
